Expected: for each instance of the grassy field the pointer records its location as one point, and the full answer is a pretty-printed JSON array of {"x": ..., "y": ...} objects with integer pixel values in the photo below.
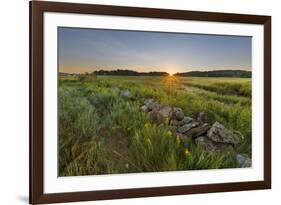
[{"x": 103, "y": 133}]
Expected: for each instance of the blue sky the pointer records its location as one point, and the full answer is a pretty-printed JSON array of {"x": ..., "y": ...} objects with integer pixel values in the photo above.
[{"x": 86, "y": 50}]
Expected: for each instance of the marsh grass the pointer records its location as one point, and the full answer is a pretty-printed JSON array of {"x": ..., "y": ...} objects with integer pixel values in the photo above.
[{"x": 102, "y": 133}]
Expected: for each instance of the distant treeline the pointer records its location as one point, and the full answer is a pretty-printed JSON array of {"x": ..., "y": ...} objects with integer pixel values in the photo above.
[
  {"x": 129, "y": 73},
  {"x": 215, "y": 73}
]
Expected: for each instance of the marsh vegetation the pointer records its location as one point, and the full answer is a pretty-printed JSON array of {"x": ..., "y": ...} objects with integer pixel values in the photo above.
[{"x": 102, "y": 132}]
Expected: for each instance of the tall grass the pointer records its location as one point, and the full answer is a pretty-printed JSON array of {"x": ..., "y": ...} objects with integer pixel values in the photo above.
[
  {"x": 227, "y": 86},
  {"x": 102, "y": 133}
]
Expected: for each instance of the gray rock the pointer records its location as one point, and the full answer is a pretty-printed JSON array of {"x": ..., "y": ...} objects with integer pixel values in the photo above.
[
  {"x": 198, "y": 131},
  {"x": 186, "y": 127},
  {"x": 206, "y": 143},
  {"x": 144, "y": 108},
  {"x": 150, "y": 100},
  {"x": 211, "y": 146},
  {"x": 152, "y": 105},
  {"x": 159, "y": 114},
  {"x": 178, "y": 113},
  {"x": 165, "y": 110},
  {"x": 185, "y": 120},
  {"x": 243, "y": 160},
  {"x": 125, "y": 93},
  {"x": 218, "y": 133},
  {"x": 157, "y": 117},
  {"x": 202, "y": 118}
]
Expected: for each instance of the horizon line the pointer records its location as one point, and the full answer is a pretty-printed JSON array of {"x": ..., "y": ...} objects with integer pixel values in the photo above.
[{"x": 156, "y": 71}]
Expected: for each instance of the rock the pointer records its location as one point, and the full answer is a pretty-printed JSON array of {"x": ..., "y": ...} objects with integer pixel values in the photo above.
[
  {"x": 144, "y": 108},
  {"x": 160, "y": 114},
  {"x": 243, "y": 160},
  {"x": 125, "y": 93},
  {"x": 218, "y": 133},
  {"x": 151, "y": 105},
  {"x": 198, "y": 131},
  {"x": 185, "y": 120},
  {"x": 186, "y": 127},
  {"x": 147, "y": 101},
  {"x": 165, "y": 110},
  {"x": 157, "y": 117},
  {"x": 206, "y": 143},
  {"x": 177, "y": 113},
  {"x": 202, "y": 118},
  {"x": 215, "y": 138},
  {"x": 211, "y": 146}
]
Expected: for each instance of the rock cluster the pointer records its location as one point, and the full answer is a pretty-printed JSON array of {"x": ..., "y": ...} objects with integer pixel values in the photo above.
[
  {"x": 243, "y": 160},
  {"x": 125, "y": 93},
  {"x": 213, "y": 137}
]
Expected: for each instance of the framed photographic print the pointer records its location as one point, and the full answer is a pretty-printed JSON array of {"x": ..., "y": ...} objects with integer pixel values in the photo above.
[{"x": 138, "y": 102}]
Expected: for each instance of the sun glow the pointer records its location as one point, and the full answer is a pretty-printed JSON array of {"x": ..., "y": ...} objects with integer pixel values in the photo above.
[
  {"x": 170, "y": 79},
  {"x": 170, "y": 73},
  {"x": 172, "y": 69}
]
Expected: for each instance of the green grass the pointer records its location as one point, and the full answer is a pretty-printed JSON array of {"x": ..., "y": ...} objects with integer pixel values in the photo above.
[
  {"x": 102, "y": 133},
  {"x": 228, "y": 86}
]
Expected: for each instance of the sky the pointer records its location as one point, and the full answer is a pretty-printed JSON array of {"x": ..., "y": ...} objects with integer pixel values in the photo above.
[{"x": 83, "y": 50}]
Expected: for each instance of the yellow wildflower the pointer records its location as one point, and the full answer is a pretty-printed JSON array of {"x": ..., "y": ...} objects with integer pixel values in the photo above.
[
  {"x": 147, "y": 125},
  {"x": 129, "y": 129},
  {"x": 148, "y": 141},
  {"x": 169, "y": 134},
  {"x": 167, "y": 121},
  {"x": 178, "y": 139},
  {"x": 187, "y": 153}
]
